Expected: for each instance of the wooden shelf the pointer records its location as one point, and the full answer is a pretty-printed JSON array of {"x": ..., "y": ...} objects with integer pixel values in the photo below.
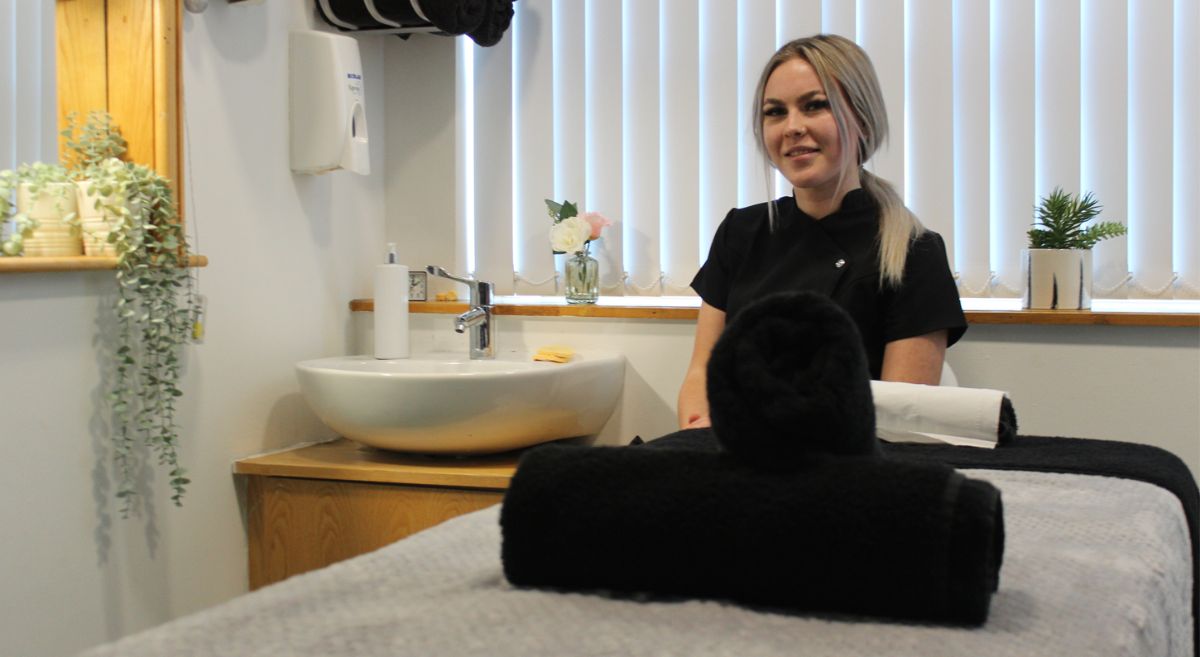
[
  {"x": 1082, "y": 317},
  {"x": 1031, "y": 317},
  {"x": 77, "y": 263}
]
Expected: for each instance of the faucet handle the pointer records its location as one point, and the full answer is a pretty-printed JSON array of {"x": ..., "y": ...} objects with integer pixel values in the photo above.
[
  {"x": 481, "y": 292},
  {"x": 437, "y": 270}
]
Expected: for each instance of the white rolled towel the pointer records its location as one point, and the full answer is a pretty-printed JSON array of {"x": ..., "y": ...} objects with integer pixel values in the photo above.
[{"x": 910, "y": 412}]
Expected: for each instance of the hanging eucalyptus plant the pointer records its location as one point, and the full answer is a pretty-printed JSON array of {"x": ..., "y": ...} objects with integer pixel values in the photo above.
[
  {"x": 156, "y": 308},
  {"x": 156, "y": 312}
]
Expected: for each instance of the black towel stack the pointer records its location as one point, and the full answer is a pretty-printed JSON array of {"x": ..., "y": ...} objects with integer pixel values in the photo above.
[
  {"x": 789, "y": 510},
  {"x": 485, "y": 21},
  {"x": 496, "y": 20},
  {"x": 789, "y": 379}
]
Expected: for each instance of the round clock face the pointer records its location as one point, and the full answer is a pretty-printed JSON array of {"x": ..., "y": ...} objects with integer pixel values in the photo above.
[{"x": 417, "y": 286}]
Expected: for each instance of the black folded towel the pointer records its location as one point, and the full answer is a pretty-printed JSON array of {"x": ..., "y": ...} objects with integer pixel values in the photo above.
[
  {"x": 841, "y": 534},
  {"x": 495, "y": 21},
  {"x": 788, "y": 378}
]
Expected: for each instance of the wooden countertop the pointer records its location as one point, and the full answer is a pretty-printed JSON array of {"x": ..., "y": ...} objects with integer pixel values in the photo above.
[{"x": 345, "y": 460}]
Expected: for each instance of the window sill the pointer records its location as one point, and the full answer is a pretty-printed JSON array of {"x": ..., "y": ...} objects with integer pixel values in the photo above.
[
  {"x": 22, "y": 264},
  {"x": 1115, "y": 312}
]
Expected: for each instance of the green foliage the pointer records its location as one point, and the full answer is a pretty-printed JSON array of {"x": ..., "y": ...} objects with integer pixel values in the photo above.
[
  {"x": 1062, "y": 217},
  {"x": 155, "y": 312},
  {"x": 97, "y": 140},
  {"x": 88, "y": 145},
  {"x": 156, "y": 306},
  {"x": 560, "y": 211}
]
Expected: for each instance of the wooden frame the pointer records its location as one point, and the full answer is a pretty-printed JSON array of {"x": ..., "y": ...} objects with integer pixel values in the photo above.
[{"x": 123, "y": 56}]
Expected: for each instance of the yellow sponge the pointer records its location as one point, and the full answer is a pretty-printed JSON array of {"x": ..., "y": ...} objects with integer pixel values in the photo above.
[{"x": 554, "y": 354}]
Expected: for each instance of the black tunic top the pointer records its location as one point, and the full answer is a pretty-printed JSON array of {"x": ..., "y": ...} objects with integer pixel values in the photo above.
[{"x": 837, "y": 256}]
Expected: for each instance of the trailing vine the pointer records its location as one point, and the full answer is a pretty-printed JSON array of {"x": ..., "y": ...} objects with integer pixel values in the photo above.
[
  {"x": 156, "y": 310},
  {"x": 157, "y": 306}
]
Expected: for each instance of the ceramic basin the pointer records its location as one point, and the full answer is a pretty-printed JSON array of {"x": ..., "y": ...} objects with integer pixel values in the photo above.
[{"x": 444, "y": 403}]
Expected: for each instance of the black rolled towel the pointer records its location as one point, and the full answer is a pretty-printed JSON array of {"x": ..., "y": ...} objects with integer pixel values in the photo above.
[
  {"x": 352, "y": 12},
  {"x": 787, "y": 379},
  {"x": 456, "y": 16},
  {"x": 848, "y": 535},
  {"x": 495, "y": 21},
  {"x": 1007, "y": 424},
  {"x": 449, "y": 16}
]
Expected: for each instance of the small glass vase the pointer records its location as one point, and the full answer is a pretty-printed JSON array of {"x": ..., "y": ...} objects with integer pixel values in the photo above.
[{"x": 583, "y": 278}]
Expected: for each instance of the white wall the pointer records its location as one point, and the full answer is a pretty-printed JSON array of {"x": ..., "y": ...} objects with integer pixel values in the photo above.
[{"x": 287, "y": 253}]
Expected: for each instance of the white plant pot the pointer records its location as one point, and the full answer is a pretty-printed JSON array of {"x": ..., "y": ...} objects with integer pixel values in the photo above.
[
  {"x": 1057, "y": 279},
  {"x": 52, "y": 202},
  {"x": 53, "y": 237}
]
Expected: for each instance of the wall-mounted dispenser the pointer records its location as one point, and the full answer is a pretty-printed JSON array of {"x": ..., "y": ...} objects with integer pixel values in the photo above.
[{"x": 328, "y": 115}]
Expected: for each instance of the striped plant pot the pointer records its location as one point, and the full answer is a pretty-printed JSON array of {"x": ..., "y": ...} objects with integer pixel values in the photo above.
[{"x": 54, "y": 237}]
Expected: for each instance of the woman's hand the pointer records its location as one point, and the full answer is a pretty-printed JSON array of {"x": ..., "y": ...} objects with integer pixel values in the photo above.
[
  {"x": 696, "y": 421},
  {"x": 915, "y": 360},
  {"x": 693, "y": 394}
]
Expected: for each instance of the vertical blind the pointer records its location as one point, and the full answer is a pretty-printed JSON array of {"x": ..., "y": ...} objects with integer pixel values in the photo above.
[
  {"x": 640, "y": 110},
  {"x": 28, "y": 116}
]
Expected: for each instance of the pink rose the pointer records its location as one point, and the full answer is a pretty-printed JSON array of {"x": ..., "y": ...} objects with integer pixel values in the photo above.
[{"x": 597, "y": 221}]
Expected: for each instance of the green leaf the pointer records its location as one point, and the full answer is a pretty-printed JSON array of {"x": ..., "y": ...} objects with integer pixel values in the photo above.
[{"x": 1060, "y": 219}]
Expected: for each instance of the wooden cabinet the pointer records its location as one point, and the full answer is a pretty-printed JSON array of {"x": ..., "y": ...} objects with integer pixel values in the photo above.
[{"x": 313, "y": 505}]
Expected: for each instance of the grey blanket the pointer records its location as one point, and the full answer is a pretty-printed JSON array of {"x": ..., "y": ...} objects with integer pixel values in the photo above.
[{"x": 1093, "y": 566}]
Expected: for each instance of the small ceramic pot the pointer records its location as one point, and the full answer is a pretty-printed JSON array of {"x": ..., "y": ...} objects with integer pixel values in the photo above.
[{"x": 1057, "y": 279}]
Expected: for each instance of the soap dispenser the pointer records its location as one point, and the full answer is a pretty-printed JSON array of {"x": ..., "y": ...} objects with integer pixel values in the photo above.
[
  {"x": 328, "y": 115},
  {"x": 391, "y": 308}
]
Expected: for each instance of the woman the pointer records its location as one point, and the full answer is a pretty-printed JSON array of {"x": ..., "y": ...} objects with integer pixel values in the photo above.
[{"x": 845, "y": 233}]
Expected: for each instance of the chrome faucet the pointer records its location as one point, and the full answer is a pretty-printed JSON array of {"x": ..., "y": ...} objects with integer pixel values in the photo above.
[{"x": 478, "y": 317}]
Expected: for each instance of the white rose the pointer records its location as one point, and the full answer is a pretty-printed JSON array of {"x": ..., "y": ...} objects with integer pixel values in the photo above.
[{"x": 570, "y": 234}]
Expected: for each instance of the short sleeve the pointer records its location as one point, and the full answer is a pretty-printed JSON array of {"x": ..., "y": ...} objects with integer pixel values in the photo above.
[
  {"x": 927, "y": 299},
  {"x": 715, "y": 277}
]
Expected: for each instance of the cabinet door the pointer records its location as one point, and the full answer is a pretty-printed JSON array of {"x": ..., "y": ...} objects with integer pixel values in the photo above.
[{"x": 298, "y": 525}]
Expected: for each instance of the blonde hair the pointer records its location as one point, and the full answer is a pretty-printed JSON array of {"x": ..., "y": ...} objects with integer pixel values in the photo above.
[{"x": 850, "y": 83}]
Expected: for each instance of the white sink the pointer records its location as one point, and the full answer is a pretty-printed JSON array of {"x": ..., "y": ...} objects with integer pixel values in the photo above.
[{"x": 444, "y": 403}]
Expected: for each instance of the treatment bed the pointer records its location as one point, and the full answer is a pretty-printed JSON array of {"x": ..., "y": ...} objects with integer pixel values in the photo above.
[{"x": 1098, "y": 561}]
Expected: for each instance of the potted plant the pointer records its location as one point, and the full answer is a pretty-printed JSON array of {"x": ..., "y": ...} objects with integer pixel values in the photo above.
[
  {"x": 38, "y": 206},
  {"x": 1057, "y": 266},
  {"x": 88, "y": 146},
  {"x": 157, "y": 310}
]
